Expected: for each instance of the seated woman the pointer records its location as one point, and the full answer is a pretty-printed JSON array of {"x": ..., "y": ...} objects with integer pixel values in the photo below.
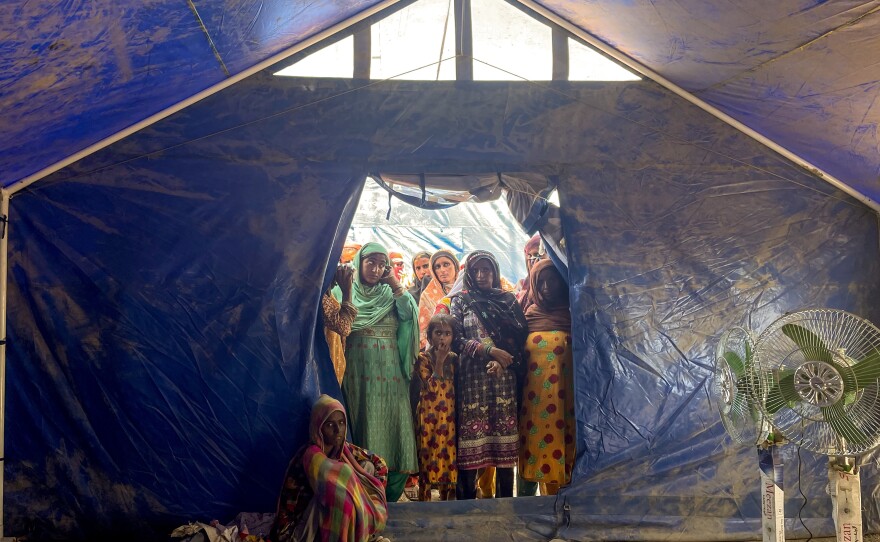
[{"x": 333, "y": 490}]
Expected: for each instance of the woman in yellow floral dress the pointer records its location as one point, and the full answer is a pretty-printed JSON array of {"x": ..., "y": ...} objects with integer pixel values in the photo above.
[{"x": 547, "y": 417}]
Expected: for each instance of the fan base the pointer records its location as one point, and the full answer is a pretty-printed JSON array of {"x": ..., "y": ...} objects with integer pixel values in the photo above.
[{"x": 846, "y": 502}]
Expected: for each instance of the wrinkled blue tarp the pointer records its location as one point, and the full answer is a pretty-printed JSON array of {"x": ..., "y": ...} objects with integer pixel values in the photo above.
[
  {"x": 800, "y": 72},
  {"x": 164, "y": 292}
]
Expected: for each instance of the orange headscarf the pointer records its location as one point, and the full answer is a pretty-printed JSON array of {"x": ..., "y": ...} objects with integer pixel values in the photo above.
[
  {"x": 432, "y": 294},
  {"x": 523, "y": 295},
  {"x": 348, "y": 252}
]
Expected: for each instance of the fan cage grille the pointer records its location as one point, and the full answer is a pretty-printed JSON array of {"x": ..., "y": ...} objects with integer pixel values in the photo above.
[
  {"x": 817, "y": 376},
  {"x": 733, "y": 388}
]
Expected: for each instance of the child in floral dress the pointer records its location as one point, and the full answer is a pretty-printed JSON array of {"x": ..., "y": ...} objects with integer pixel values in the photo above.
[{"x": 435, "y": 434}]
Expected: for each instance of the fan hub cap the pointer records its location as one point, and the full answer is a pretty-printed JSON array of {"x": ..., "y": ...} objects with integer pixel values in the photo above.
[{"x": 818, "y": 383}]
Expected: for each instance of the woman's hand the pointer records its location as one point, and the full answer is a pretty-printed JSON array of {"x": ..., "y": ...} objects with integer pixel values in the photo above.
[
  {"x": 501, "y": 356},
  {"x": 369, "y": 467},
  {"x": 499, "y": 360},
  {"x": 344, "y": 278},
  {"x": 389, "y": 279}
]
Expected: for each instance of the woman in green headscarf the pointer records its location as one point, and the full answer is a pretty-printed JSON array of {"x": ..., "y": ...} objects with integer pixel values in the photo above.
[{"x": 380, "y": 352}]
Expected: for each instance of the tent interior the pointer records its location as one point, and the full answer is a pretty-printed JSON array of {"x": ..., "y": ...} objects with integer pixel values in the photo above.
[{"x": 163, "y": 332}]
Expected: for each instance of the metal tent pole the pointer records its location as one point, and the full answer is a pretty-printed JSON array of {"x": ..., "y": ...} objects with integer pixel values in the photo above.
[{"x": 4, "y": 269}]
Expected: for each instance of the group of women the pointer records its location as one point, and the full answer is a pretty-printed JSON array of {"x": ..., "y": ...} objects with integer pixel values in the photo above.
[{"x": 505, "y": 372}]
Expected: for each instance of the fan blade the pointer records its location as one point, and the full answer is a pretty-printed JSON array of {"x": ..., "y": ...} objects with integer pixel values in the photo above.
[
  {"x": 749, "y": 358},
  {"x": 810, "y": 343},
  {"x": 781, "y": 392},
  {"x": 754, "y": 413},
  {"x": 867, "y": 370},
  {"x": 836, "y": 417},
  {"x": 735, "y": 363},
  {"x": 735, "y": 412}
]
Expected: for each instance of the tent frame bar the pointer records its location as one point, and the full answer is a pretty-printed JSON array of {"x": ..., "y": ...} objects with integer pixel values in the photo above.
[
  {"x": 4, "y": 270},
  {"x": 724, "y": 117},
  {"x": 23, "y": 183}
]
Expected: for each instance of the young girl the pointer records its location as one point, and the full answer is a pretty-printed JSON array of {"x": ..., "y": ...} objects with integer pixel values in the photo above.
[{"x": 435, "y": 369}]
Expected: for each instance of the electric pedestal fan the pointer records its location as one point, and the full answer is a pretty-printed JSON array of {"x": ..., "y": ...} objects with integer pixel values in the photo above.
[
  {"x": 817, "y": 377},
  {"x": 734, "y": 394}
]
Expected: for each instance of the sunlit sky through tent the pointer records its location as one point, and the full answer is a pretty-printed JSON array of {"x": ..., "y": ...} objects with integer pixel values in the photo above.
[{"x": 418, "y": 43}]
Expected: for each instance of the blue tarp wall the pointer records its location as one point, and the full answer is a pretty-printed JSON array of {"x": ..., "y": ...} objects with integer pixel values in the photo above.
[{"x": 163, "y": 297}]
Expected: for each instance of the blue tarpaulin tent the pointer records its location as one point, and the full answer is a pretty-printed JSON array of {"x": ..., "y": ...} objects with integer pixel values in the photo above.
[{"x": 173, "y": 209}]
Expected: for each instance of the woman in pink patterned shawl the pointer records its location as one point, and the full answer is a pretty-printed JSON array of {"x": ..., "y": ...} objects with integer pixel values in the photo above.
[{"x": 333, "y": 490}]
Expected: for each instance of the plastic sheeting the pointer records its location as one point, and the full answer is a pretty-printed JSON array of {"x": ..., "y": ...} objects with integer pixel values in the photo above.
[
  {"x": 463, "y": 228},
  {"x": 73, "y": 73},
  {"x": 658, "y": 278},
  {"x": 801, "y": 72},
  {"x": 162, "y": 344},
  {"x": 164, "y": 292}
]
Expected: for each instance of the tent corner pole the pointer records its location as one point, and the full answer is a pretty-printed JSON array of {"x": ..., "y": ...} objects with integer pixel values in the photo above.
[
  {"x": 717, "y": 113},
  {"x": 4, "y": 269}
]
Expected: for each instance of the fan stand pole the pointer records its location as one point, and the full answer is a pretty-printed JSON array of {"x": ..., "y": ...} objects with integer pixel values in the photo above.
[
  {"x": 772, "y": 494},
  {"x": 846, "y": 499}
]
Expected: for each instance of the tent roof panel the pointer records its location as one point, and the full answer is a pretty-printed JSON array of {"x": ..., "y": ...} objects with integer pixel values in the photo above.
[
  {"x": 699, "y": 44},
  {"x": 832, "y": 118},
  {"x": 796, "y": 71},
  {"x": 74, "y": 74},
  {"x": 800, "y": 73}
]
